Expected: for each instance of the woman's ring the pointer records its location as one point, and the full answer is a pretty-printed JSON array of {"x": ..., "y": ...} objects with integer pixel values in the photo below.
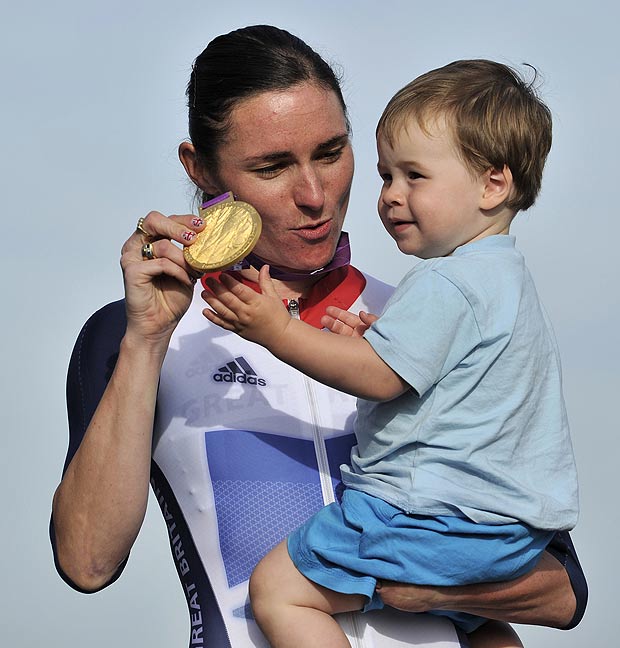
[
  {"x": 148, "y": 252},
  {"x": 140, "y": 228}
]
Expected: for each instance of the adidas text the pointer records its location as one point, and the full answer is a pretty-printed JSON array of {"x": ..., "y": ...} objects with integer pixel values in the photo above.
[{"x": 239, "y": 378}]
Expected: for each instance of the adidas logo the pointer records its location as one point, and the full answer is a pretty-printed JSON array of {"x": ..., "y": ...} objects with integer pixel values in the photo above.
[{"x": 238, "y": 371}]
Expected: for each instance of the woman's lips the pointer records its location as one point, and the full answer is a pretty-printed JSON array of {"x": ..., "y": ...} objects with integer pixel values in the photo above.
[{"x": 314, "y": 232}]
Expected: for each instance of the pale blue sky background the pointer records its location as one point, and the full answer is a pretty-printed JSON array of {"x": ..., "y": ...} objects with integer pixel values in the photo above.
[{"x": 92, "y": 113}]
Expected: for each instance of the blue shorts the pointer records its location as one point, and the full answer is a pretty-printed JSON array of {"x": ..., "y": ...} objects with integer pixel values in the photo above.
[{"x": 347, "y": 548}]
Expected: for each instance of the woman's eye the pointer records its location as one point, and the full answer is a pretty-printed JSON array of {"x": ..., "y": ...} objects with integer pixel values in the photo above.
[
  {"x": 269, "y": 171},
  {"x": 332, "y": 155}
]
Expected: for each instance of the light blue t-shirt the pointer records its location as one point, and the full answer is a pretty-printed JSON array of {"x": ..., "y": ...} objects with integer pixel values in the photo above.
[{"x": 483, "y": 433}]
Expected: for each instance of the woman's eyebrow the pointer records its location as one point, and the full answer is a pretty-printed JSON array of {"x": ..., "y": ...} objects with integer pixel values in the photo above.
[
  {"x": 283, "y": 156},
  {"x": 333, "y": 142},
  {"x": 275, "y": 156}
]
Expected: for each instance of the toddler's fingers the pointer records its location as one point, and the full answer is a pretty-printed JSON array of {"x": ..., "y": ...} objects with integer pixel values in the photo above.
[
  {"x": 266, "y": 283},
  {"x": 232, "y": 291},
  {"x": 227, "y": 294},
  {"x": 368, "y": 318},
  {"x": 217, "y": 306},
  {"x": 336, "y": 325},
  {"x": 347, "y": 318},
  {"x": 334, "y": 311},
  {"x": 216, "y": 319},
  {"x": 327, "y": 322}
]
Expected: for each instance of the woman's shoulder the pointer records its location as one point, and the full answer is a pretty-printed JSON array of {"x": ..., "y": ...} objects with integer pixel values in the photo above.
[
  {"x": 93, "y": 359},
  {"x": 374, "y": 285},
  {"x": 374, "y": 294},
  {"x": 91, "y": 365},
  {"x": 100, "y": 337},
  {"x": 110, "y": 320},
  {"x": 103, "y": 330}
]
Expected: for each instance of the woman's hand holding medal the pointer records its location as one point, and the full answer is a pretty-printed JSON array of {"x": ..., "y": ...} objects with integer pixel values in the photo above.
[{"x": 163, "y": 258}]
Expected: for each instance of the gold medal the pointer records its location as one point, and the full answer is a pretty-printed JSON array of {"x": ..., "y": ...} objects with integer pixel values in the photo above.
[{"x": 232, "y": 228}]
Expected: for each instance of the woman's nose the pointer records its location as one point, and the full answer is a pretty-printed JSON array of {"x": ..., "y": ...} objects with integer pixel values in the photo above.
[{"x": 309, "y": 190}]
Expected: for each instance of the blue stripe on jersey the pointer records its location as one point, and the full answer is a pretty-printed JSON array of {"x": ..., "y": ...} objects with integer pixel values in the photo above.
[{"x": 254, "y": 511}]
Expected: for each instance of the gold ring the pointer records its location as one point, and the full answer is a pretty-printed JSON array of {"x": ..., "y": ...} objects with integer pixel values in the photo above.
[
  {"x": 148, "y": 252},
  {"x": 140, "y": 228}
]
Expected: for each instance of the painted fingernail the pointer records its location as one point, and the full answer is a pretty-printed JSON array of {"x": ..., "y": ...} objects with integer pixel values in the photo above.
[
  {"x": 188, "y": 235},
  {"x": 197, "y": 221}
]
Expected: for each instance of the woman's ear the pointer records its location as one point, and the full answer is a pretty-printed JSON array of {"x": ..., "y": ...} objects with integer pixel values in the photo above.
[
  {"x": 497, "y": 189},
  {"x": 196, "y": 172}
]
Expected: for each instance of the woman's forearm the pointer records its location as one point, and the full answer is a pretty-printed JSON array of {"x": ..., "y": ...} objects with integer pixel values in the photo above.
[
  {"x": 100, "y": 504},
  {"x": 544, "y": 596}
]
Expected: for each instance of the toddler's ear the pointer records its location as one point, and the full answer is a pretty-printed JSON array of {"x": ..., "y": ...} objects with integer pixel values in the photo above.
[{"x": 497, "y": 187}]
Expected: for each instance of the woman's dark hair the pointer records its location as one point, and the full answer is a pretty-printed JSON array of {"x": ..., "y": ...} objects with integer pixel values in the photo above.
[{"x": 241, "y": 64}]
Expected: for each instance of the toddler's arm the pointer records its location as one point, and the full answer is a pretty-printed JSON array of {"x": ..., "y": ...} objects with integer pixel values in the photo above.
[{"x": 345, "y": 363}]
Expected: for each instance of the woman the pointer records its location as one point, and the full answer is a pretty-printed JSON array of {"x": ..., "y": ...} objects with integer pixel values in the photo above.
[{"x": 239, "y": 448}]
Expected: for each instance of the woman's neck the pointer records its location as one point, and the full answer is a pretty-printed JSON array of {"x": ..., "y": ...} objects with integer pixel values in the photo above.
[
  {"x": 292, "y": 284},
  {"x": 285, "y": 289}
]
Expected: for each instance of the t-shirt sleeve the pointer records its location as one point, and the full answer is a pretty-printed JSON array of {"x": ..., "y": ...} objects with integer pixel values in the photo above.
[
  {"x": 91, "y": 365},
  {"x": 426, "y": 330}
]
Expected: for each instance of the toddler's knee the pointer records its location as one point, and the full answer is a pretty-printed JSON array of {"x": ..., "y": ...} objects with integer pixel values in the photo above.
[
  {"x": 255, "y": 587},
  {"x": 261, "y": 589},
  {"x": 274, "y": 586}
]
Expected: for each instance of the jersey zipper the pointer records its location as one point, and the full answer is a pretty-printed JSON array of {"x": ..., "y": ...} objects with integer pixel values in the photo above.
[
  {"x": 350, "y": 621},
  {"x": 320, "y": 450}
]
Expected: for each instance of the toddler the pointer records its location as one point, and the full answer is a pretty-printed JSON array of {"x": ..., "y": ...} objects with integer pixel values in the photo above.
[{"x": 463, "y": 467}]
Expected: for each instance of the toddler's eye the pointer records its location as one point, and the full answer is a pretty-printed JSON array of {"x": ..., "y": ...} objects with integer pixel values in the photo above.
[{"x": 413, "y": 175}]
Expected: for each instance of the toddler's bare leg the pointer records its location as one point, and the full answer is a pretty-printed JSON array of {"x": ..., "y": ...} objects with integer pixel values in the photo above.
[
  {"x": 293, "y": 611},
  {"x": 495, "y": 634}
]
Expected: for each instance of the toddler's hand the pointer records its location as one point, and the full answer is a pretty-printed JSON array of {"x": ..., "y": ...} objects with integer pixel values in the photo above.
[
  {"x": 343, "y": 322},
  {"x": 258, "y": 317}
]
